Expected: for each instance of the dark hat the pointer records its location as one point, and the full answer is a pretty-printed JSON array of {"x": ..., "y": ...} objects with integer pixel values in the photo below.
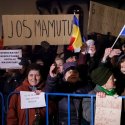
[
  {"x": 69, "y": 54},
  {"x": 69, "y": 65},
  {"x": 101, "y": 75},
  {"x": 24, "y": 61},
  {"x": 45, "y": 44}
]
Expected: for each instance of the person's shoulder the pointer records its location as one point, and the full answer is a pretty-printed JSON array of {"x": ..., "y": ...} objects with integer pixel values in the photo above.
[
  {"x": 19, "y": 88},
  {"x": 23, "y": 87}
]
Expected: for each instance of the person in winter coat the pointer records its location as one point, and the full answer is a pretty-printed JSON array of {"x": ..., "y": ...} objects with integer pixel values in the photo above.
[
  {"x": 33, "y": 82},
  {"x": 105, "y": 85},
  {"x": 70, "y": 83}
]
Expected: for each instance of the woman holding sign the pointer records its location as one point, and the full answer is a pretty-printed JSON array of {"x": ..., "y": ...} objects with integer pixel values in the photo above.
[{"x": 34, "y": 82}]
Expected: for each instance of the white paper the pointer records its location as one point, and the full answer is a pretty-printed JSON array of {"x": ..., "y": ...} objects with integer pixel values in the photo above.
[
  {"x": 32, "y": 100},
  {"x": 9, "y": 59},
  {"x": 108, "y": 110}
]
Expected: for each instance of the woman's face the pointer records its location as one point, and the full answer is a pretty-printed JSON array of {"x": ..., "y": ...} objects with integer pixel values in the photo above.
[{"x": 34, "y": 77}]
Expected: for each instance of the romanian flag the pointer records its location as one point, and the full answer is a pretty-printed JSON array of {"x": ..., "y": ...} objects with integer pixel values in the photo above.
[{"x": 76, "y": 39}]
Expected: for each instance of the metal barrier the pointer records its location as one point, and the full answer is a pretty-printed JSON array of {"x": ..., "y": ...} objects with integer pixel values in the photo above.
[
  {"x": 59, "y": 94},
  {"x": 2, "y": 109},
  {"x": 8, "y": 105},
  {"x": 47, "y": 100},
  {"x": 70, "y": 95}
]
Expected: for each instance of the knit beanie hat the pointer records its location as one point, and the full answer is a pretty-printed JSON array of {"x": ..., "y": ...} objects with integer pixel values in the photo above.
[
  {"x": 68, "y": 66},
  {"x": 101, "y": 75}
]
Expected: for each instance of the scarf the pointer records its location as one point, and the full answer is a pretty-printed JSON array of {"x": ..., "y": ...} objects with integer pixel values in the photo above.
[
  {"x": 108, "y": 92},
  {"x": 32, "y": 88}
]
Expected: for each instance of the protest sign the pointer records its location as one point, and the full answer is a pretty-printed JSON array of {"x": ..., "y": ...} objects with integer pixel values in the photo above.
[
  {"x": 108, "y": 110},
  {"x": 33, "y": 29},
  {"x": 32, "y": 100},
  {"x": 103, "y": 19},
  {"x": 9, "y": 59}
]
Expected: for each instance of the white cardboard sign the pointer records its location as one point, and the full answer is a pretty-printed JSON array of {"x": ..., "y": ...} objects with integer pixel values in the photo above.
[
  {"x": 32, "y": 100},
  {"x": 108, "y": 110}
]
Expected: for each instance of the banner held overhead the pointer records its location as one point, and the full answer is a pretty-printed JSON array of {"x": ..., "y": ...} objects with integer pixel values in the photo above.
[
  {"x": 103, "y": 19},
  {"x": 33, "y": 29}
]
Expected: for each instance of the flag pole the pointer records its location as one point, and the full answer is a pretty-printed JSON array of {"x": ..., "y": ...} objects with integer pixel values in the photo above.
[
  {"x": 117, "y": 37},
  {"x": 115, "y": 41}
]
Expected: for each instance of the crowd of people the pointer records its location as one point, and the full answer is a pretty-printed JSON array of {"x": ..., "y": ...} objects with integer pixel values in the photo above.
[{"x": 96, "y": 69}]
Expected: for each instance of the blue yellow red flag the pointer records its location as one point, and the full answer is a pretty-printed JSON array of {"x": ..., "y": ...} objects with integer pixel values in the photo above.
[{"x": 76, "y": 39}]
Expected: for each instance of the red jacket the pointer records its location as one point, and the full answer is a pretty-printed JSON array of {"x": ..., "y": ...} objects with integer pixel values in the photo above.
[{"x": 16, "y": 115}]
